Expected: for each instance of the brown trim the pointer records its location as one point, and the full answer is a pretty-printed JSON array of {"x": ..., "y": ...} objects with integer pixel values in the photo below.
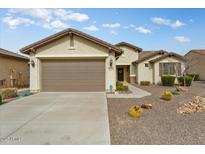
[
  {"x": 171, "y": 54},
  {"x": 129, "y": 45},
  {"x": 6, "y": 53},
  {"x": 150, "y": 56},
  {"x": 197, "y": 51},
  {"x": 63, "y": 33}
]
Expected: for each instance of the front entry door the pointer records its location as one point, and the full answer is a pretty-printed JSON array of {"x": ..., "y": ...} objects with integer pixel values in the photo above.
[{"x": 120, "y": 74}]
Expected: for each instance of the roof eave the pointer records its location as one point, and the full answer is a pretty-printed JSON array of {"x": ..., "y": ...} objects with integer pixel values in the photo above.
[{"x": 51, "y": 38}]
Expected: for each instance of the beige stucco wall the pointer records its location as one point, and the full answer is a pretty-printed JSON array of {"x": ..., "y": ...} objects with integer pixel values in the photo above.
[
  {"x": 157, "y": 77},
  {"x": 18, "y": 66},
  {"x": 145, "y": 73},
  {"x": 82, "y": 49},
  {"x": 196, "y": 64},
  {"x": 127, "y": 58}
]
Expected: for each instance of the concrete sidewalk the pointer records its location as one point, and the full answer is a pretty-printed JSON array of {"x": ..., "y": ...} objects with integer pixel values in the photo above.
[
  {"x": 136, "y": 93},
  {"x": 56, "y": 118}
]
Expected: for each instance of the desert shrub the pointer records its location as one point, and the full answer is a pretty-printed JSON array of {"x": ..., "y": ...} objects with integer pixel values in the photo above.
[
  {"x": 167, "y": 80},
  {"x": 118, "y": 83},
  {"x": 195, "y": 76},
  {"x": 135, "y": 111},
  {"x": 145, "y": 83},
  {"x": 167, "y": 95},
  {"x": 8, "y": 93},
  {"x": 121, "y": 87},
  {"x": 188, "y": 80}
]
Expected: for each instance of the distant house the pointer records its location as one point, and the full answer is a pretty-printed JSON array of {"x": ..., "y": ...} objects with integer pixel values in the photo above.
[
  {"x": 196, "y": 63},
  {"x": 71, "y": 60},
  {"x": 14, "y": 70},
  {"x": 151, "y": 65}
]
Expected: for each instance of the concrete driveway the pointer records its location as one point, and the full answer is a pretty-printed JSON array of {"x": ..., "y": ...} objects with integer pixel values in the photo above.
[{"x": 56, "y": 118}]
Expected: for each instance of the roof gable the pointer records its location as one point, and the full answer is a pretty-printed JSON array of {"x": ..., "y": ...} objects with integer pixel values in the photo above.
[
  {"x": 171, "y": 54},
  {"x": 135, "y": 48},
  {"x": 63, "y": 33},
  {"x": 149, "y": 55}
]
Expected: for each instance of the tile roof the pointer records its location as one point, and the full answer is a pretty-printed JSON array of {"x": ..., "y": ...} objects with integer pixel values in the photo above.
[
  {"x": 144, "y": 55},
  {"x": 138, "y": 49},
  {"x": 201, "y": 51},
  {"x": 12, "y": 54},
  {"x": 170, "y": 54},
  {"x": 65, "y": 32}
]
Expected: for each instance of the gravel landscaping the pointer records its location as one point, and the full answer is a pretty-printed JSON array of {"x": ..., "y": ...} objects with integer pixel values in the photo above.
[{"x": 161, "y": 124}]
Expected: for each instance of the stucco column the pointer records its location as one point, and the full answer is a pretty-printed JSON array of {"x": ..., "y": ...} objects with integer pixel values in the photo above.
[
  {"x": 34, "y": 74},
  {"x": 132, "y": 74}
]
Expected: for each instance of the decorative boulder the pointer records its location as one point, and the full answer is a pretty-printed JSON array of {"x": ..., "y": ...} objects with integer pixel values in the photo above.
[
  {"x": 146, "y": 106},
  {"x": 135, "y": 111}
]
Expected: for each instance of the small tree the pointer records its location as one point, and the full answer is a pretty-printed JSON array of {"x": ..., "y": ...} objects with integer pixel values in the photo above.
[{"x": 188, "y": 63}]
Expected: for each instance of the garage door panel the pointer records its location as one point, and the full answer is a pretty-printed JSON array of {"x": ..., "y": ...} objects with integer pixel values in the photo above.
[{"x": 73, "y": 75}]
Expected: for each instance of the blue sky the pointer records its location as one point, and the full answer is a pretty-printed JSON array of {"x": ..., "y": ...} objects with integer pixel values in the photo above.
[{"x": 176, "y": 30}]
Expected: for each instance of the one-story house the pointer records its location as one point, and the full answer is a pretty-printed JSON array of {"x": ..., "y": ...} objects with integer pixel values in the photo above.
[
  {"x": 14, "y": 69},
  {"x": 196, "y": 63},
  {"x": 71, "y": 60}
]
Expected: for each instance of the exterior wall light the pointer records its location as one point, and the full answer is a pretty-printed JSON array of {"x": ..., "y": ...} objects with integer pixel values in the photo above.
[
  {"x": 111, "y": 63},
  {"x": 32, "y": 63}
]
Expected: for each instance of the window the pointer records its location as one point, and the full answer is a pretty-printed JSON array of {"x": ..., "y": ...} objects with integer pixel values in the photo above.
[
  {"x": 146, "y": 65},
  {"x": 168, "y": 69}
]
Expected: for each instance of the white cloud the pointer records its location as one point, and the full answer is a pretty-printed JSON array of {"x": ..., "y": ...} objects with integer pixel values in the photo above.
[
  {"x": 113, "y": 32},
  {"x": 43, "y": 14},
  {"x": 182, "y": 39},
  {"x": 58, "y": 24},
  {"x": 115, "y": 25},
  {"x": 162, "y": 21},
  {"x": 129, "y": 26},
  {"x": 143, "y": 30},
  {"x": 77, "y": 17},
  {"x": 14, "y": 22},
  {"x": 177, "y": 24},
  {"x": 70, "y": 15},
  {"x": 91, "y": 28},
  {"x": 54, "y": 25},
  {"x": 47, "y": 18},
  {"x": 49, "y": 14}
]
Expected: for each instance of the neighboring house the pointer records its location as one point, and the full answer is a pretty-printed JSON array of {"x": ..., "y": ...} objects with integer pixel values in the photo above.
[
  {"x": 196, "y": 63},
  {"x": 151, "y": 65},
  {"x": 74, "y": 61},
  {"x": 14, "y": 70}
]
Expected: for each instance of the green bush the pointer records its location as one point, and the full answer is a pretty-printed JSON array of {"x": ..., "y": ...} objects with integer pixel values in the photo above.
[
  {"x": 121, "y": 87},
  {"x": 195, "y": 76},
  {"x": 188, "y": 80},
  {"x": 8, "y": 93},
  {"x": 167, "y": 80},
  {"x": 145, "y": 83}
]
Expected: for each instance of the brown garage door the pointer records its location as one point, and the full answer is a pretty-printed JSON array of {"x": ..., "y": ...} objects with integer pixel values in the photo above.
[{"x": 73, "y": 75}]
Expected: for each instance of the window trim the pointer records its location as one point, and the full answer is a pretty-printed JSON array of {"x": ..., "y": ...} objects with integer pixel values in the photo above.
[{"x": 169, "y": 68}]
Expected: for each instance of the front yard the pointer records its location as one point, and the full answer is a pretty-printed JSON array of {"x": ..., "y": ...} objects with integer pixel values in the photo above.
[{"x": 160, "y": 125}]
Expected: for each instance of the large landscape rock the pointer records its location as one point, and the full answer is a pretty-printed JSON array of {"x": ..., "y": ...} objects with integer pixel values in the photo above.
[{"x": 196, "y": 105}]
